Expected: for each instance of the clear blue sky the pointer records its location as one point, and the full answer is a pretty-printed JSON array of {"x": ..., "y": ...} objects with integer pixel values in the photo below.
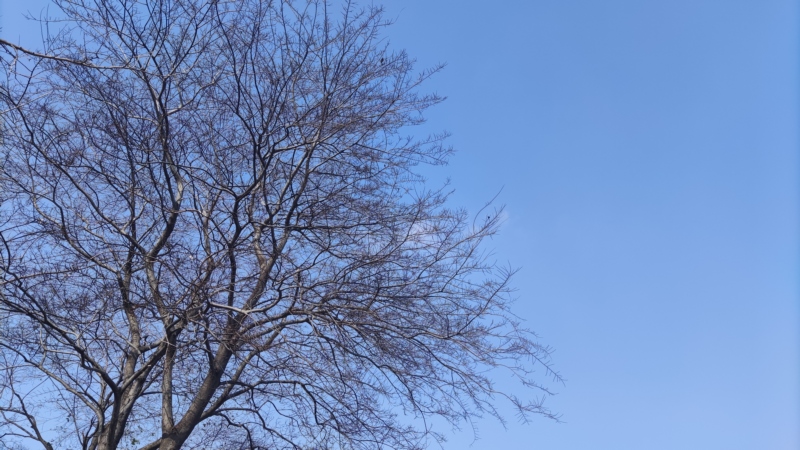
[
  {"x": 648, "y": 152},
  {"x": 648, "y": 155}
]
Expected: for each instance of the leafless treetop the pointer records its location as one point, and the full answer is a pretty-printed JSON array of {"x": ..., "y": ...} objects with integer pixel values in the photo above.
[{"x": 212, "y": 235}]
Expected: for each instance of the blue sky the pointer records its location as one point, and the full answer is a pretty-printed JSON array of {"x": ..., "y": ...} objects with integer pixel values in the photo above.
[{"x": 647, "y": 153}]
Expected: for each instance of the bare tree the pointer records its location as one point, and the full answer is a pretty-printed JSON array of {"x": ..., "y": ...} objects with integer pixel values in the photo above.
[{"x": 212, "y": 235}]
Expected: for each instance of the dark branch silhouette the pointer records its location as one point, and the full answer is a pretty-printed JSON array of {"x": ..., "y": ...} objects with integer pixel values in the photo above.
[{"x": 212, "y": 235}]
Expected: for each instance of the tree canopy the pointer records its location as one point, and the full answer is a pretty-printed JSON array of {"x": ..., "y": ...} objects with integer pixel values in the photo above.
[{"x": 213, "y": 234}]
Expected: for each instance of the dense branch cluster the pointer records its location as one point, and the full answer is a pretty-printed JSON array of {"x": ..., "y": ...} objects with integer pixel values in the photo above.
[{"x": 212, "y": 236}]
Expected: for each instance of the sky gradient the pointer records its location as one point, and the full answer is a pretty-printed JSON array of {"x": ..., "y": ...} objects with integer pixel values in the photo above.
[
  {"x": 647, "y": 153},
  {"x": 648, "y": 156}
]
